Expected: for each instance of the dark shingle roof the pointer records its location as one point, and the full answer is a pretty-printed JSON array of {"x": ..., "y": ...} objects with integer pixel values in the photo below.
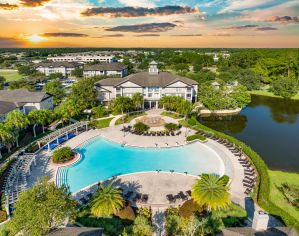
[
  {"x": 6, "y": 107},
  {"x": 248, "y": 231},
  {"x": 76, "y": 231},
  {"x": 144, "y": 79},
  {"x": 22, "y": 96},
  {"x": 104, "y": 66},
  {"x": 57, "y": 64}
]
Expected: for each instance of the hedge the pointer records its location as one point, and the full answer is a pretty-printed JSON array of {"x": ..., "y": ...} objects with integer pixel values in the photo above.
[
  {"x": 263, "y": 181},
  {"x": 196, "y": 136}
]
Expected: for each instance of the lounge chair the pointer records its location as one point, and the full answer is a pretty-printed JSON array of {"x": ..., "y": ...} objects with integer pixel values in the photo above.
[
  {"x": 89, "y": 196},
  {"x": 248, "y": 185},
  {"x": 170, "y": 198},
  {"x": 247, "y": 191},
  {"x": 83, "y": 201},
  {"x": 182, "y": 195},
  {"x": 188, "y": 193},
  {"x": 144, "y": 198}
]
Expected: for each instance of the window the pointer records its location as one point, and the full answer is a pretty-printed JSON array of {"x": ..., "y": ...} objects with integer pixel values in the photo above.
[
  {"x": 188, "y": 89},
  {"x": 188, "y": 95}
]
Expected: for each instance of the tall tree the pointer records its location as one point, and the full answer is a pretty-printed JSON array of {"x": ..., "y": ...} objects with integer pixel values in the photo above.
[
  {"x": 84, "y": 92},
  {"x": 211, "y": 191},
  {"x": 41, "y": 117},
  {"x": 107, "y": 201},
  {"x": 41, "y": 208},
  {"x": 285, "y": 87},
  {"x": 17, "y": 120},
  {"x": 138, "y": 100},
  {"x": 54, "y": 88},
  {"x": 67, "y": 110},
  {"x": 6, "y": 136}
]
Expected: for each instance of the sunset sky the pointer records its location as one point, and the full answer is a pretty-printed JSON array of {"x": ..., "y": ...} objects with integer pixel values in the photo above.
[{"x": 149, "y": 23}]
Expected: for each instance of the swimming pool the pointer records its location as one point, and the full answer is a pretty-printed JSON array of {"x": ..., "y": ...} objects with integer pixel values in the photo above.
[{"x": 102, "y": 159}]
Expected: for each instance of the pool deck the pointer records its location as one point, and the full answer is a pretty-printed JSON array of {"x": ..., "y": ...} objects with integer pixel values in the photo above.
[{"x": 156, "y": 185}]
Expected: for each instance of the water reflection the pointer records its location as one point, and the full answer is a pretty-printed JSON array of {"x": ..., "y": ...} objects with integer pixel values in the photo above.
[
  {"x": 282, "y": 110},
  {"x": 232, "y": 124},
  {"x": 270, "y": 126}
]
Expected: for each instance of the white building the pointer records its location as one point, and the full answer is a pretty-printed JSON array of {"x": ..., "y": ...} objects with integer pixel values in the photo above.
[
  {"x": 84, "y": 57},
  {"x": 65, "y": 68},
  {"x": 113, "y": 69},
  {"x": 153, "y": 85},
  {"x": 24, "y": 100}
]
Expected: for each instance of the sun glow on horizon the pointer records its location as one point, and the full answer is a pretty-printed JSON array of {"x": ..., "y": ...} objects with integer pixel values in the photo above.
[{"x": 35, "y": 38}]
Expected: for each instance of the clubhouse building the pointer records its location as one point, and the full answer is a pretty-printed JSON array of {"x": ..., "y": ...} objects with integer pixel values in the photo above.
[{"x": 153, "y": 85}]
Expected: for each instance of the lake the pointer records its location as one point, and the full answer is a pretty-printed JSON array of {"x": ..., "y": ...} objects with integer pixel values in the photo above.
[{"x": 270, "y": 126}]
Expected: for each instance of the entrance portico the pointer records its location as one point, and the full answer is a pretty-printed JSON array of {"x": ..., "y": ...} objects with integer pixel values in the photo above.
[{"x": 151, "y": 104}]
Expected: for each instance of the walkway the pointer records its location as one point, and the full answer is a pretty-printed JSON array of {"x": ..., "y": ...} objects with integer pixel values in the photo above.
[{"x": 112, "y": 122}]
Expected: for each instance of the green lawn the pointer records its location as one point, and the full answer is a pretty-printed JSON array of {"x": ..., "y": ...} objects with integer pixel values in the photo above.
[
  {"x": 99, "y": 124},
  {"x": 270, "y": 94},
  {"x": 171, "y": 114},
  {"x": 129, "y": 118},
  {"x": 10, "y": 75},
  {"x": 276, "y": 197}
]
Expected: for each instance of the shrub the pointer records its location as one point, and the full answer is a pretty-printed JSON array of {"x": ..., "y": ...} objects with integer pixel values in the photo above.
[
  {"x": 196, "y": 136},
  {"x": 140, "y": 127},
  {"x": 63, "y": 154},
  {"x": 99, "y": 111},
  {"x": 3, "y": 216},
  {"x": 146, "y": 212},
  {"x": 171, "y": 126},
  {"x": 189, "y": 208},
  {"x": 127, "y": 213}
]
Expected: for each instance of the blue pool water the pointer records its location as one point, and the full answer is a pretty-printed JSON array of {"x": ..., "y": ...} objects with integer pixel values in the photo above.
[{"x": 102, "y": 159}]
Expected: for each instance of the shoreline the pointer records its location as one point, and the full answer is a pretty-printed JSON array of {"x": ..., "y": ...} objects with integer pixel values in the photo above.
[{"x": 271, "y": 95}]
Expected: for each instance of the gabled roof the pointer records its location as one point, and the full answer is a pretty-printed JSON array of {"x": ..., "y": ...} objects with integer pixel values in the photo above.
[
  {"x": 144, "y": 79},
  {"x": 6, "y": 107},
  {"x": 58, "y": 64},
  {"x": 104, "y": 66},
  {"x": 22, "y": 96},
  {"x": 76, "y": 231}
]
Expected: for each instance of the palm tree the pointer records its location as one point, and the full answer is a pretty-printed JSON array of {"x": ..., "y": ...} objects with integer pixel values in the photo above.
[
  {"x": 17, "y": 120},
  {"x": 137, "y": 100},
  {"x": 6, "y": 136},
  {"x": 211, "y": 191},
  {"x": 107, "y": 201},
  {"x": 41, "y": 117}
]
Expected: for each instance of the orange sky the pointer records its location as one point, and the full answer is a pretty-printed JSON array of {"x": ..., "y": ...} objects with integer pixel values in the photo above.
[{"x": 149, "y": 23}]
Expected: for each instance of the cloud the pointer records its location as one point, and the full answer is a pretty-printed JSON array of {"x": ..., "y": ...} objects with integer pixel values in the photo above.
[
  {"x": 138, "y": 11},
  {"x": 113, "y": 36},
  {"x": 7, "y": 6},
  {"x": 238, "y": 5},
  {"x": 265, "y": 28},
  {"x": 137, "y": 3},
  {"x": 140, "y": 28},
  {"x": 186, "y": 35},
  {"x": 148, "y": 35},
  {"x": 33, "y": 3},
  {"x": 62, "y": 34},
  {"x": 241, "y": 27},
  {"x": 10, "y": 42},
  {"x": 283, "y": 19}
]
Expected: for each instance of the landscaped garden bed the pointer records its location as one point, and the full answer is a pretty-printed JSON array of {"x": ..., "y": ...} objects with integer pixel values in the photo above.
[
  {"x": 99, "y": 124},
  {"x": 198, "y": 137},
  {"x": 63, "y": 155}
]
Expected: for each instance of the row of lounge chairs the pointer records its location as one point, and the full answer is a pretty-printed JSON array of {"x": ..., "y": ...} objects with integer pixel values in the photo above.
[
  {"x": 180, "y": 196},
  {"x": 249, "y": 172}
]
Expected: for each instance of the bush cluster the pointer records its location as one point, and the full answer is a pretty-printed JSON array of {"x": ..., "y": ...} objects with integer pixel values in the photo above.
[
  {"x": 171, "y": 126},
  {"x": 196, "y": 136},
  {"x": 263, "y": 181},
  {"x": 189, "y": 208},
  {"x": 140, "y": 127},
  {"x": 62, "y": 155}
]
